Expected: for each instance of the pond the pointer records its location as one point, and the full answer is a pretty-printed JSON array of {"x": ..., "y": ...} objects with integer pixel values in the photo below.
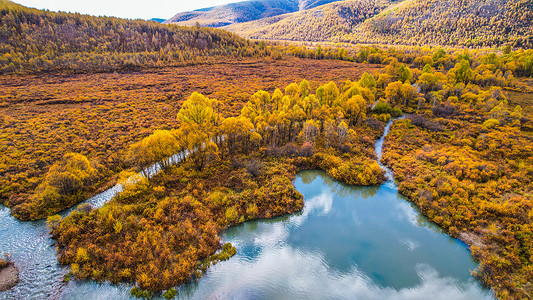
[{"x": 349, "y": 242}]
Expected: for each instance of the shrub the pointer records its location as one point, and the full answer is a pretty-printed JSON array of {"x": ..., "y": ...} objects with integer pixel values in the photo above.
[
  {"x": 254, "y": 166},
  {"x": 374, "y": 124},
  {"x": 170, "y": 293},
  {"x": 491, "y": 123},
  {"x": 236, "y": 163},
  {"x": 290, "y": 150},
  {"x": 444, "y": 110},
  {"x": 307, "y": 149},
  {"x": 426, "y": 123},
  {"x": 382, "y": 108},
  {"x": 5, "y": 261}
]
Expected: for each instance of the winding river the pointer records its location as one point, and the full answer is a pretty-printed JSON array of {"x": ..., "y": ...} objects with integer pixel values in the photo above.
[{"x": 349, "y": 242}]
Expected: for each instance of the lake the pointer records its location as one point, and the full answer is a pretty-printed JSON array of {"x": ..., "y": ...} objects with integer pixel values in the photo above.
[{"x": 349, "y": 242}]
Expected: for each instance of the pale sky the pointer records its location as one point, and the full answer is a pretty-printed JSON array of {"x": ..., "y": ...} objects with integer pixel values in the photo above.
[{"x": 131, "y": 9}]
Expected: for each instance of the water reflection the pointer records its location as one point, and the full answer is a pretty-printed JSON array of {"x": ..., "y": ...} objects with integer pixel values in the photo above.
[
  {"x": 31, "y": 248},
  {"x": 348, "y": 243}
]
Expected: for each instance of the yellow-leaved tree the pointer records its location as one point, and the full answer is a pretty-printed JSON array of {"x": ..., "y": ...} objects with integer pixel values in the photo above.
[
  {"x": 63, "y": 185},
  {"x": 199, "y": 132},
  {"x": 155, "y": 148}
]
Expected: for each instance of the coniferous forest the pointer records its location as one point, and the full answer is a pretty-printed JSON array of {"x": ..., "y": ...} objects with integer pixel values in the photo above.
[{"x": 90, "y": 102}]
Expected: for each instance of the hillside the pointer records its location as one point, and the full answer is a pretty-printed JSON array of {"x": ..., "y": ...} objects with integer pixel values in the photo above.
[
  {"x": 323, "y": 23},
  {"x": 243, "y": 12},
  {"x": 34, "y": 40},
  {"x": 410, "y": 22},
  {"x": 452, "y": 22}
]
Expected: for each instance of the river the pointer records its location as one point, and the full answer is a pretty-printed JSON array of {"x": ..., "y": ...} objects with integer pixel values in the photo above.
[{"x": 349, "y": 242}]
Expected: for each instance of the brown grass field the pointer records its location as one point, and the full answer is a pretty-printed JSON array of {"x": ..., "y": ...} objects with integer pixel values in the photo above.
[{"x": 42, "y": 117}]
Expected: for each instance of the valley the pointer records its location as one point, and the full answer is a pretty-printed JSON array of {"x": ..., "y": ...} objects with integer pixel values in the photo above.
[{"x": 153, "y": 160}]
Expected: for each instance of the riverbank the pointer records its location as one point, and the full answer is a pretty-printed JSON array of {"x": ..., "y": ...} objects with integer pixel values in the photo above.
[
  {"x": 472, "y": 180},
  {"x": 9, "y": 277}
]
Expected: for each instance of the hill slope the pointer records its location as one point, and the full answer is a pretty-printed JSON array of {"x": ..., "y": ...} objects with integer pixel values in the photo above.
[
  {"x": 243, "y": 12},
  {"x": 323, "y": 23},
  {"x": 411, "y": 22},
  {"x": 454, "y": 22},
  {"x": 36, "y": 40}
]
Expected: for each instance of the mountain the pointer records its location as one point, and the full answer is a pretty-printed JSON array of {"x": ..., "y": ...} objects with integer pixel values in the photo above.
[
  {"x": 323, "y": 23},
  {"x": 410, "y": 22},
  {"x": 158, "y": 20},
  {"x": 243, "y": 12}
]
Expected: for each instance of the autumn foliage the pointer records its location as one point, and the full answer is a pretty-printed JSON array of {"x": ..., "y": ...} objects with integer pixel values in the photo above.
[
  {"x": 462, "y": 155},
  {"x": 67, "y": 182},
  {"x": 465, "y": 159},
  {"x": 43, "y": 117},
  {"x": 36, "y": 41},
  {"x": 416, "y": 22},
  {"x": 159, "y": 233}
]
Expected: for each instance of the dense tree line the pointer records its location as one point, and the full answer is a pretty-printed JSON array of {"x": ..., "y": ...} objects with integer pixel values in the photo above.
[
  {"x": 489, "y": 67},
  {"x": 273, "y": 124},
  {"x": 35, "y": 41}
]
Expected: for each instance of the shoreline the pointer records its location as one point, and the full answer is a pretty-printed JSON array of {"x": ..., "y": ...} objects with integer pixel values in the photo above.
[{"x": 9, "y": 277}]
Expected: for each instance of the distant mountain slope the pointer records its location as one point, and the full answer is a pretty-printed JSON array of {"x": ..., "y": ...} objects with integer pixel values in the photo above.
[
  {"x": 326, "y": 22},
  {"x": 411, "y": 22},
  {"x": 456, "y": 22},
  {"x": 158, "y": 20},
  {"x": 243, "y": 12}
]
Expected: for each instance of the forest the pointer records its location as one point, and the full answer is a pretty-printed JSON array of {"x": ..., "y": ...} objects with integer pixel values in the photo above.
[
  {"x": 452, "y": 22},
  {"x": 38, "y": 42},
  {"x": 35, "y": 41}
]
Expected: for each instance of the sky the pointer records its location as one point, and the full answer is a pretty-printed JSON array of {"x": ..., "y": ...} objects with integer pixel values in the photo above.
[{"x": 130, "y": 9}]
